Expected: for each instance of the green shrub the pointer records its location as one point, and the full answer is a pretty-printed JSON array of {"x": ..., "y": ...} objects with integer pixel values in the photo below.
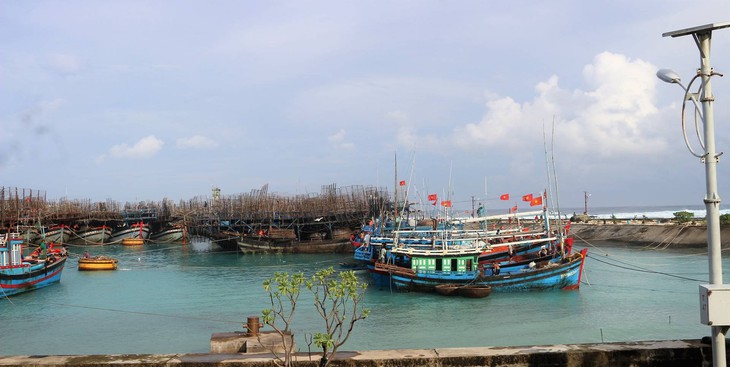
[{"x": 683, "y": 217}]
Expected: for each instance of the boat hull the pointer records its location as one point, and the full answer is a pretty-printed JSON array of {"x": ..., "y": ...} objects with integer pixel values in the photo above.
[
  {"x": 447, "y": 289},
  {"x": 97, "y": 236},
  {"x": 133, "y": 232},
  {"x": 167, "y": 236},
  {"x": 475, "y": 291},
  {"x": 262, "y": 245},
  {"x": 27, "y": 277},
  {"x": 58, "y": 235}
]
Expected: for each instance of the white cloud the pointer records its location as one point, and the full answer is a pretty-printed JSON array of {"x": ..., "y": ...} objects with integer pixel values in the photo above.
[
  {"x": 339, "y": 140},
  {"x": 144, "y": 148},
  {"x": 615, "y": 118},
  {"x": 196, "y": 142}
]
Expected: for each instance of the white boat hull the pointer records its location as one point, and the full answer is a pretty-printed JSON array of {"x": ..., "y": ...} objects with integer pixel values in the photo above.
[
  {"x": 97, "y": 236},
  {"x": 133, "y": 232},
  {"x": 168, "y": 235},
  {"x": 59, "y": 235}
]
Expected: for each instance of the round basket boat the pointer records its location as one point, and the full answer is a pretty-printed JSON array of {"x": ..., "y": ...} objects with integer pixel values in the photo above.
[
  {"x": 475, "y": 291},
  {"x": 447, "y": 289},
  {"x": 97, "y": 263},
  {"x": 133, "y": 241}
]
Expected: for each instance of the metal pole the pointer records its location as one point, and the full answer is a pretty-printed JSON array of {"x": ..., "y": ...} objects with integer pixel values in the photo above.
[
  {"x": 702, "y": 36},
  {"x": 712, "y": 198}
]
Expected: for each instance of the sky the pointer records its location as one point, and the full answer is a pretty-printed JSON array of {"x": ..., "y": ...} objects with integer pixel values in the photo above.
[{"x": 139, "y": 100}]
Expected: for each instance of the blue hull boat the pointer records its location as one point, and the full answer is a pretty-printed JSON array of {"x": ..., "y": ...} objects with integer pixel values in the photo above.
[
  {"x": 18, "y": 275},
  {"x": 554, "y": 274}
]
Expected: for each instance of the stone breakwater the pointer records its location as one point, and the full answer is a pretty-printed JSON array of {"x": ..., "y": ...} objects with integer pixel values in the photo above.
[{"x": 654, "y": 234}]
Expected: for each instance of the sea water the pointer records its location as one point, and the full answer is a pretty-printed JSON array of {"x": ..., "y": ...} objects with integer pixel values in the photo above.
[{"x": 170, "y": 298}]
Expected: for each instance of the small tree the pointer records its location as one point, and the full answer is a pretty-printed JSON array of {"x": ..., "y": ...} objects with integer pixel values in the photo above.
[
  {"x": 683, "y": 217},
  {"x": 284, "y": 291},
  {"x": 337, "y": 298}
]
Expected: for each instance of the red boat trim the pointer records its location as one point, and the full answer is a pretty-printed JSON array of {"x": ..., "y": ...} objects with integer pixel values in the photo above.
[{"x": 583, "y": 253}]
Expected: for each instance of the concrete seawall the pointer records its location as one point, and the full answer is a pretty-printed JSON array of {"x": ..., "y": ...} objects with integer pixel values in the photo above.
[
  {"x": 667, "y": 353},
  {"x": 660, "y": 235}
]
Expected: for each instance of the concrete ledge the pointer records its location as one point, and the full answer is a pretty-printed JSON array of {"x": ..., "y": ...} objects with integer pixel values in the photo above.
[
  {"x": 241, "y": 342},
  {"x": 635, "y": 354}
]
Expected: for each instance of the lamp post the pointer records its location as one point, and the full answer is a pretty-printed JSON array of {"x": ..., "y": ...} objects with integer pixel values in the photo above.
[{"x": 702, "y": 36}]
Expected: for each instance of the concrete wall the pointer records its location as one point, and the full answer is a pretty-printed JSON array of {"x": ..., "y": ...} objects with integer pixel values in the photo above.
[
  {"x": 667, "y": 353},
  {"x": 659, "y": 235}
]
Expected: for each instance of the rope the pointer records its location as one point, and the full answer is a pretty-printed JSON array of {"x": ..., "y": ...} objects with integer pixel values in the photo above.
[
  {"x": 668, "y": 243},
  {"x": 675, "y": 256},
  {"x": 86, "y": 242},
  {"x": 634, "y": 267},
  {"x": 6, "y": 296},
  {"x": 643, "y": 270}
]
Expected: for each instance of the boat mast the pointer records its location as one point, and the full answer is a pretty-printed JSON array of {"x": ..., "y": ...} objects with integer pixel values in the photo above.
[
  {"x": 395, "y": 186},
  {"x": 556, "y": 203}
]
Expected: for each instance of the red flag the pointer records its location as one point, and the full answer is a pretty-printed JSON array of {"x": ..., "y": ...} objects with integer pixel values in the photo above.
[
  {"x": 434, "y": 198},
  {"x": 527, "y": 197},
  {"x": 403, "y": 183},
  {"x": 504, "y": 197},
  {"x": 27, "y": 199},
  {"x": 446, "y": 203},
  {"x": 514, "y": 209},
  {"x": 536, "y": 201}
]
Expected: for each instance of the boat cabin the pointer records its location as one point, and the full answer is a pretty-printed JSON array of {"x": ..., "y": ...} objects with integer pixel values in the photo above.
[
  {"x": 455, "y": 264},
  {"x": 11, "y": 247}
]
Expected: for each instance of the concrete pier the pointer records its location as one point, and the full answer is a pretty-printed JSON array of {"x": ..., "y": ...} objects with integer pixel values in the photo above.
[{"x": 665, "y": 353}]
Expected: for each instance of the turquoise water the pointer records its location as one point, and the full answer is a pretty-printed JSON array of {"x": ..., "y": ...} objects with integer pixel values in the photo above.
[{"x": 171, "y": 298}]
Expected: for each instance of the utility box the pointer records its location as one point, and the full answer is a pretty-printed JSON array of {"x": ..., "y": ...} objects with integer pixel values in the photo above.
[{"x": 715, "y": 304}]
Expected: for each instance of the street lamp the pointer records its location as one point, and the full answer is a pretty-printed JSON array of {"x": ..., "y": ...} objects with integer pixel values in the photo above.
[{"x": 714, "y": 297}]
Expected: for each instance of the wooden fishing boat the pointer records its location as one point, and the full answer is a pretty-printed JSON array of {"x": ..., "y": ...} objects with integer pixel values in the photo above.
[
  {"x": 425, "y": 271},
  {"x": 253, "y": 245},
  {"x": 19, "y": 275},
  {"x": 91, "y": 236},
  {"x": 97, "y": 263},
  {"x": 260, "y": 244},
  {"x": 136, "y": 230},
  {"x": 475, "y": 290},
  {"x": 438, "y": 257},
  {"x": 59, "y": 234},
  {"x": 168, "y": 235}
]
